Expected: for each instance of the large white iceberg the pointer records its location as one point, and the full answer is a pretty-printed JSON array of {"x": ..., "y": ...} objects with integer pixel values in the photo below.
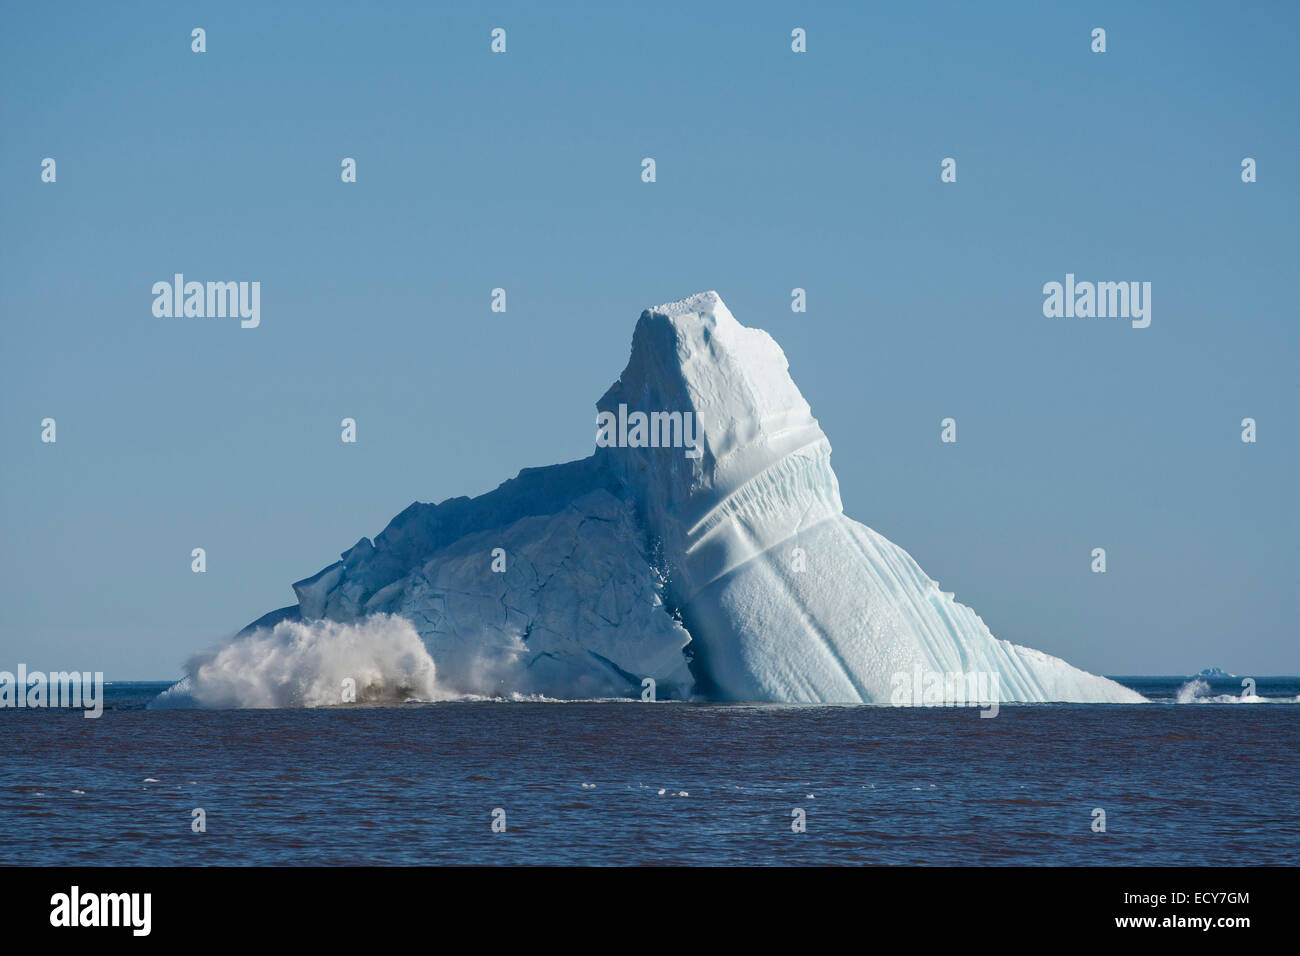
[{"x": 720, "y": 567}]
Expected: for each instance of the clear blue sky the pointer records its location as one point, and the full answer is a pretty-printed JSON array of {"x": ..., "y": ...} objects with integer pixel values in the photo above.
[{"x": 775, "y": 170}]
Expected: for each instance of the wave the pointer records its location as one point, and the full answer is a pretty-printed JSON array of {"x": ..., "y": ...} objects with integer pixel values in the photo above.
[
  {"x": 1197, "y": 691},
  {"x": 379, "y": 660}
]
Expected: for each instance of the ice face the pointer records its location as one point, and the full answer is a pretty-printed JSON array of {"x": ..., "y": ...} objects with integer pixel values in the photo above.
[
  {"x": 541, "y": 587},
  {"x": 585, "y": 579},
  {"x": 764, "y": 471},
  {"x": 786, "y": 598}
]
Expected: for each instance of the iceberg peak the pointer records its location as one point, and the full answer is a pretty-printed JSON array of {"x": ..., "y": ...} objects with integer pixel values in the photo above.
[{"x": 699, "y": 304}]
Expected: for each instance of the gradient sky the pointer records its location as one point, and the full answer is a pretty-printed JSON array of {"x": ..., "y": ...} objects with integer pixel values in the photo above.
[{"x": 775, "y": 170}]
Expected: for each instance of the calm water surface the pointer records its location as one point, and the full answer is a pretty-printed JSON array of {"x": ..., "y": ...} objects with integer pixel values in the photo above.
[{"x": 1180, "y": 783}]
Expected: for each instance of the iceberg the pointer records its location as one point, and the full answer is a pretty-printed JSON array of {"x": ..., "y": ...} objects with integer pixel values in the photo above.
[{"x": 700, "y": 552}]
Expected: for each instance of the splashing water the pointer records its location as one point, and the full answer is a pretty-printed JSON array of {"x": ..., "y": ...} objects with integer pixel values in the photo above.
[{"x": 380, "y": 659}]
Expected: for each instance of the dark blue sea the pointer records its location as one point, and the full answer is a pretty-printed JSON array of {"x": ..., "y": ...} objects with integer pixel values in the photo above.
[{"x": 1210, "y": 780}]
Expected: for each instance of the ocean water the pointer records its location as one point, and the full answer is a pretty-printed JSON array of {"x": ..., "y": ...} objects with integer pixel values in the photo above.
[{"x": 1197, "y": 777}]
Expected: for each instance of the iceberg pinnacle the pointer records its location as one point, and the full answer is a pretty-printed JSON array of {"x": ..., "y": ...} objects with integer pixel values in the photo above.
[{"x": 728, "y": 573}]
